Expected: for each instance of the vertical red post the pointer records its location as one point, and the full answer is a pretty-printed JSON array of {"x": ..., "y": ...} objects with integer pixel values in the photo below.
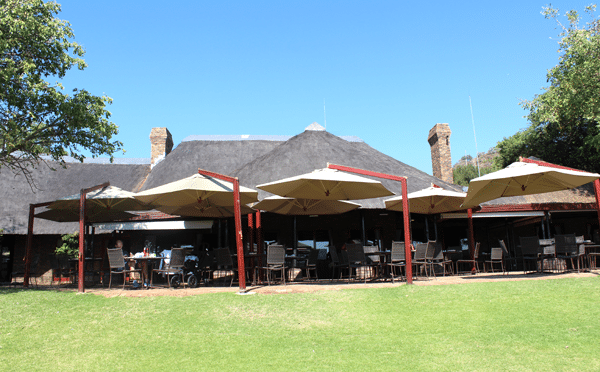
[
  {"x": 259, "y": 238},
  {"x": 238, "y": 222},
  {"x": 29, "y": 247},
  {"x": 471, "y": 235},
  {"x": 251, "y": 232},
  {"x": 81, "y": 268},
  {"x": 597, "y": 192},
  {"x": 406, "y": 217},
  {"x": 406, "y": 212},
  {"x": 238, "y": 233}
]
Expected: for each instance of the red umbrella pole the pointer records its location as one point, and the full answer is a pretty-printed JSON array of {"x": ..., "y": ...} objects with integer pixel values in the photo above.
[
  {"x": 29, "y": 247},
  {"x": 81, "y": 268},
  {"x": 405, "y": 211},
  {"x": 238, "y": 222}
]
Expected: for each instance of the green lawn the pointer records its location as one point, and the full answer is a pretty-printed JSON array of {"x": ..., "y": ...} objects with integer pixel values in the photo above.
[{"x": 511, "y": 326}]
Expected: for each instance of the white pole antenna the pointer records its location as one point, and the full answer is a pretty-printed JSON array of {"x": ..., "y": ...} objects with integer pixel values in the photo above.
[
  {"x": 324, "y": 116},
  {"x": 474, "y": 135}
]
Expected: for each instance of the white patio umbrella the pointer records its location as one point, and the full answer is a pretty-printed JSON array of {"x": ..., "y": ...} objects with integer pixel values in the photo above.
[
  {"x": 292, "y": 206},
  {"x": 93, "y": 215},
  {"x": 328, "y": 184},
  {"x": 104, "y": 199},
  {"x": 195, "y": 190},
  {"x": 431, "y": 200},
  {"x": 204, "y": 209},
  {"x": 521, "y": 178}
]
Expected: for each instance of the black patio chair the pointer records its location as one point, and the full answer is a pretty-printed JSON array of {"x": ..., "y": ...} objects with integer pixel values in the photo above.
[
  {"x": 373, "y": 260},
  {"x": 474, "y": 262},
  {"x": 420, "y": 260},
  {"x": 116, "y": 261},
  {"x": 339, "y": 262},
  {"x": 568, "y": 249},
  {"x": 440, "y": 260},
  {"x": 397, "y": 259},
  {"x": 356, "y": 260},
  {"x": 531, "y": 251},
  {"x": 225, "y": 264},
  {"x": 311, "y": 264},
  {"x": 174, "y": 270},
  {"x": 275, "y": 262}
]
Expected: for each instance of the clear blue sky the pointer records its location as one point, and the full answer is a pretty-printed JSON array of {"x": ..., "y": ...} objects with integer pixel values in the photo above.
[{"x": 387, "y": 71}]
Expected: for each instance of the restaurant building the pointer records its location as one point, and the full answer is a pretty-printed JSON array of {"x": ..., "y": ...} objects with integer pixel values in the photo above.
[{"x": 261, "y": 159}]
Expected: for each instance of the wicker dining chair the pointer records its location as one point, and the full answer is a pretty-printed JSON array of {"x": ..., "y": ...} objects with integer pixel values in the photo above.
[
  {"x": 311, "y": 264},
  {"x": 174, "y": 269},
  {"x": 440, "y": 259},
  {"x": 356, "y": 260},
  {"x": 531, "y": 251},
  {"x": 397, "y": 259},
  {"x": 225, "y": 264},
  {"x": 275, "y": 262},
  {"x": 568, "y": 249},
  {"x": 420, "y": 260},
  {"x": 473, "y": 261},
  {"x": 372, "y": 259},
  {"x": 116, "y": 261},
  {"x": 496, "y": 257}
]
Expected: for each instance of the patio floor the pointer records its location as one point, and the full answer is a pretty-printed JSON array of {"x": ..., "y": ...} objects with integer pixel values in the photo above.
[{"x": 304, "y": 287}]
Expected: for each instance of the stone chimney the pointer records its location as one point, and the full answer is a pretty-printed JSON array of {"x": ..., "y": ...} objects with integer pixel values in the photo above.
[
  {"x": 161, "y": 144},
  {"x": 441, "y": 160}
]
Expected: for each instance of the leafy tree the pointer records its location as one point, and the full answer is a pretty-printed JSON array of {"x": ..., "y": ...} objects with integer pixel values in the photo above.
[
  {"x": 564, "y": 118},
  {"x": 463, "y": 174},
  {"x": 37, "y": 117},
  {"x": 69, "y": 246}
]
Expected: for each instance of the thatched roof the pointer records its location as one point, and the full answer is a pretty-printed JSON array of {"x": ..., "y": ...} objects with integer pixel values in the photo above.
[
  {"x": 14, "y": 208},
  {"x": 312, "y": 150},
  {"x": 223, "y": 157}
]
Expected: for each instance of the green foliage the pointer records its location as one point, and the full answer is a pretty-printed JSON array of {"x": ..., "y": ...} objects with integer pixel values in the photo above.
[
  {"x": 69, "y": 246},
  {"x": 36, "y": 117},
  {"x": 564, "y": 119},
  {"x": 463, "y": 174}
]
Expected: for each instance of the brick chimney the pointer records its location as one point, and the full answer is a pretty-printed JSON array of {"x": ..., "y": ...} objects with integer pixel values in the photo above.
[
  {"x": 441, "y": 160},
  {"x": 161, "y": 144}
]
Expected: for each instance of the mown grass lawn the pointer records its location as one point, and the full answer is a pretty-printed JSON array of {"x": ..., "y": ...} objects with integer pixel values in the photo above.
[{"x": 507, "y": 326}]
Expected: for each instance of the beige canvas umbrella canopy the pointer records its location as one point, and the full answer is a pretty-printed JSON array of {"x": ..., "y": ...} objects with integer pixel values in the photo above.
[
  {"x": 196, "y": 190},
  {"x": 521, "y": 178},
  {"x": 204, "y": 209},
  {"x": 95, "y": 215},
  {"x": 327, "y": 184},
  {"x": 106, "y": 198},
  {"x": 431, "y": 200},
  {"x": 292, "y": 206}
]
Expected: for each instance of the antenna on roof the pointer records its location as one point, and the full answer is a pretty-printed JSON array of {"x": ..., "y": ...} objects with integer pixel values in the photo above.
[
  {"x": 324, "y": 115},
  {"x": 474, "y": 135}
]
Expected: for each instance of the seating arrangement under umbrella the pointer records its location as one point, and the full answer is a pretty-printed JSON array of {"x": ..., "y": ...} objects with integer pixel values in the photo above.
[
  {"x": 293, "y": 206},
  {"x": 521, "y": 178},
  {"x": 431, "y": 200}
]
